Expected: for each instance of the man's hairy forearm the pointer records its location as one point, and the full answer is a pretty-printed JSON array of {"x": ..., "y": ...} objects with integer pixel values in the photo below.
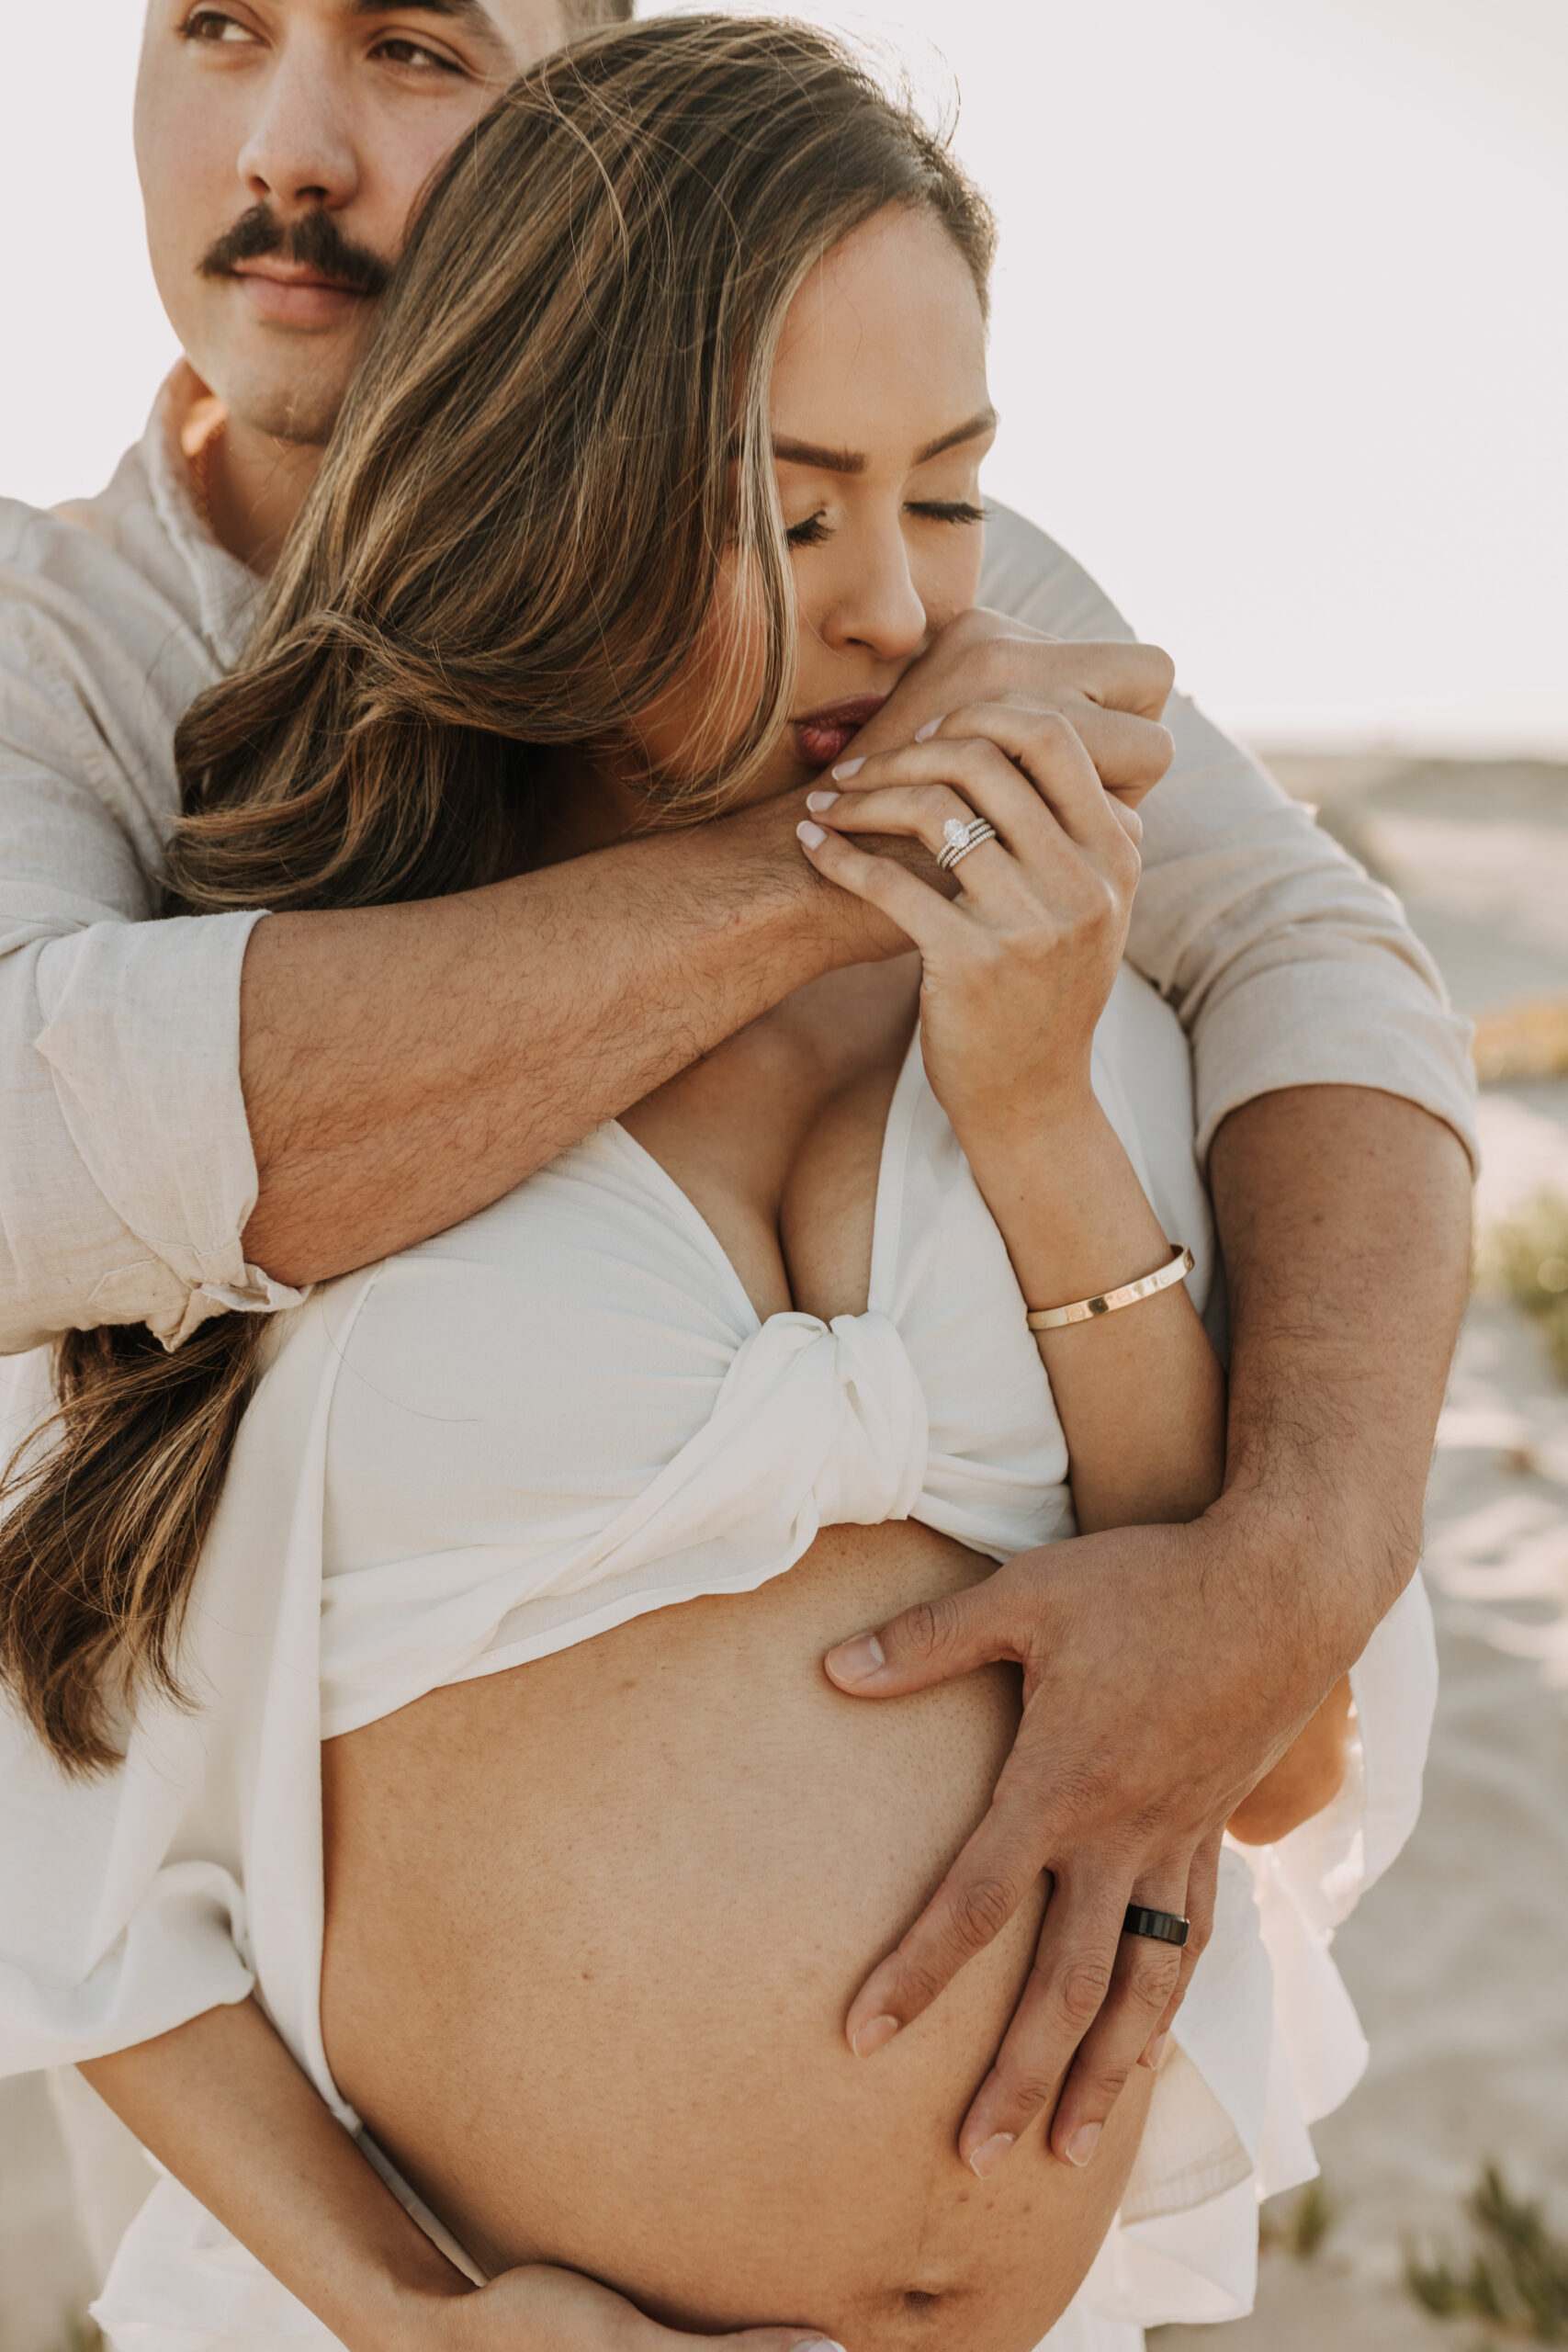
[
  {"x": 405, "y": 1066},
  {"x": 1344, "y": 1216}
]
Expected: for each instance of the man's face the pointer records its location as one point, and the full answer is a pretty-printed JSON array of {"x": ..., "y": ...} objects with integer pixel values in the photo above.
[{"x": 283, "y": 145}]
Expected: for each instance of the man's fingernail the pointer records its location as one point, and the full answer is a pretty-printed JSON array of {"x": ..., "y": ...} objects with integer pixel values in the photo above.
[
  {"x": 822, "y": 800},
  {"x": 867, "y": 2040},
  {"x": 1155, "y": 2050},
  {"x": 923, "y": 734},
  {"x": 1081, "y": 2146},
  {"x": 845, "y": 769},
  {"x": 812, "y": 835},
  {"x": 858, "y": 1660},
  {"x": 989, "y": 2154}
]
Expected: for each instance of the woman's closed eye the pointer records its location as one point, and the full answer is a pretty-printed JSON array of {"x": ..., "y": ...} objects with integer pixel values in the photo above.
[
  {"x": 947, "y": 510},
  {"x": 815, "y": 527}
]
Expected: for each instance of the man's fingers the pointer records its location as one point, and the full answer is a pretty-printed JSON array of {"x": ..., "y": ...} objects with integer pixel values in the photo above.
[
  {"x": 1201, "y": 1887},
  {"x": 1008, "y": 659},
  {"x": 933, "y": 1642},
  {"x": 975, "y": 1902},
  {"x": 1113, "y": 693},
  {"x": 1143, "y": 1983},
  {"x": 902, "y": 898},
  {"x": 1079, "y": 1969},
  {"x": 1130, "y": 755}
]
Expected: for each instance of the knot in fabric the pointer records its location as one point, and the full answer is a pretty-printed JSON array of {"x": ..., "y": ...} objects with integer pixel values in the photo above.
[{"x": 844, "y": 1398}]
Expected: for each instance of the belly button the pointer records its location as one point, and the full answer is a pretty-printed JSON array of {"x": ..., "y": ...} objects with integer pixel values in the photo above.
[{"x": 922, "y": 2302}]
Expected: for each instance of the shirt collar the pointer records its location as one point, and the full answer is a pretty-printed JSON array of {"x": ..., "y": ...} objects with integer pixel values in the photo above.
[{"x": 227, "y": 591}]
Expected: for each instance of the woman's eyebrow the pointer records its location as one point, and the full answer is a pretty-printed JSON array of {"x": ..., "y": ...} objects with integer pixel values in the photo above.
[
  {"x": 854, "y": 462},
  {"x": 982, "y": 422}
]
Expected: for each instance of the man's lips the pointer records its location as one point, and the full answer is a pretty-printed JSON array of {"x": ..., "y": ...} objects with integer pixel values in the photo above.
[
  {"x": 822, "y": 736},
  {"x": 294, "y": 296}
]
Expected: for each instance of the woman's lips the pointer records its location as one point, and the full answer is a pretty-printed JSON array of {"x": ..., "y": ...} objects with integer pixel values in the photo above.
[{"x": 823, "y": 736}]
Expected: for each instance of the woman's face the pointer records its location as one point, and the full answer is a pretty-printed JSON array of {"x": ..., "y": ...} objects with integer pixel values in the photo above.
[{"x": 880, "y": 418}]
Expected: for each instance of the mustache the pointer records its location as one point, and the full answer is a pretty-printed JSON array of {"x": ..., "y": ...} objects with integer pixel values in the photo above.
[{"x": 314, "y": 242}]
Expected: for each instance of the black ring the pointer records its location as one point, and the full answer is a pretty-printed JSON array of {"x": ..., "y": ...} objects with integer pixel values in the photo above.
[{"x": 1165, "y": 1927}]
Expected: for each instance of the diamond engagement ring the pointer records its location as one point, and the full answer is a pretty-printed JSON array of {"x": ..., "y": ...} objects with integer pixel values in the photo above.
[{"x": 960, "y": 839}]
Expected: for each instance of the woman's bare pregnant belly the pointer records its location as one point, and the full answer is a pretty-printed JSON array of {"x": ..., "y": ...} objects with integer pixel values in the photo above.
[{"x": 592, "y": 1928}]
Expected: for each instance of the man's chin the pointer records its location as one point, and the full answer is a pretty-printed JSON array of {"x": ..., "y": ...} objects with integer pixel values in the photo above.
[
  {"x": 287, "y": 386},
  {"x": 300, "y": 413}
]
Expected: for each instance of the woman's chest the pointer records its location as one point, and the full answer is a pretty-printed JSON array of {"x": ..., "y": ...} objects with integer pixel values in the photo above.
[{"x": 776, "y": 1140}]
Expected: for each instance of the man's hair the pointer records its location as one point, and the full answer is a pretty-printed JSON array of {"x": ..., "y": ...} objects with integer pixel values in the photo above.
[
  {"x": 589, "y": 15},
  {"x": 559, "y": 431}
]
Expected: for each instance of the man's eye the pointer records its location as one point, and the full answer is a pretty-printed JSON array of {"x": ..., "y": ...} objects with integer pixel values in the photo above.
[
  {"x": 211, "y": 26},
  {"x": 810, "y": 534},
  {"x": 414, "y": 55}
]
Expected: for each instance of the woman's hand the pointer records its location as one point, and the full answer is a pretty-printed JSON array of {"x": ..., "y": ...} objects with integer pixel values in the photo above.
[
  {"x": 1017, "y": 968},
  {"x": 541, "y": 2308}
]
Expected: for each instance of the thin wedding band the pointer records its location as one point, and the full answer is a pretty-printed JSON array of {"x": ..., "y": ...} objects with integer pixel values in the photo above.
[{"x": 959, "y": 839}]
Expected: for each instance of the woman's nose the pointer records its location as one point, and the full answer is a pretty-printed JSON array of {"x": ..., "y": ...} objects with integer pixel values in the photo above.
[
  {"x": 875, "y": 603},
  {"x": 300, "y": 151}
]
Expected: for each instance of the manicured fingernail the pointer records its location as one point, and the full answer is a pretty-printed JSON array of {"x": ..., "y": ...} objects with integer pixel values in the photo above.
[
  {"x": 1081, "y": 2146},
  {"x": 923, "y": 734},
  {"x": 822, "y": 800},
  {"x": 1155, "y": 2050},
  {"x": 845, "y": 769},
  {"x": 867, "y": 2040},
  {"x": 858, "y": 1660},
  {"x": 812, "y": 835},
  {"x": 818, "y": 2344},
  {"x": 989, "y": 2154}
]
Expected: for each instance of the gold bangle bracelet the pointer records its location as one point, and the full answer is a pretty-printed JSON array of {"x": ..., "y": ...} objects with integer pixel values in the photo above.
[{"x": 1084, "y": 1310}]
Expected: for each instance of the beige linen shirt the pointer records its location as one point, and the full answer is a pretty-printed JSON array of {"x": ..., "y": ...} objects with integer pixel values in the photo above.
[{"x": 126, "y": 1175}]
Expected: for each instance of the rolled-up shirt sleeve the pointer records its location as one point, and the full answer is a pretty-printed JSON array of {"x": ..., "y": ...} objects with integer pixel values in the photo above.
[
  {"x": 1288, "y": 964},
  {"x": 127, "y": 1173}
]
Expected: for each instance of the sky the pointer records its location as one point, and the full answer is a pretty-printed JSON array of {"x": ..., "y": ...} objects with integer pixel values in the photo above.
[{"x": 1280, "y": 344}]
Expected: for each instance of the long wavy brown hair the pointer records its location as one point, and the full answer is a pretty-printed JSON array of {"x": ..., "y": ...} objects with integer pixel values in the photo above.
[{"x": 559, "y": 429}]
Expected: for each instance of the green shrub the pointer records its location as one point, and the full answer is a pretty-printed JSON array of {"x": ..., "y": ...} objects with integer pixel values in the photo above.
[{"x": 1517, "y": 2280}]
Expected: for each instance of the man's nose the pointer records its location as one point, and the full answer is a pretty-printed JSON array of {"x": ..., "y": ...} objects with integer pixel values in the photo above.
[
  {"x": 877, "y": 604},
  {"x": 300, "y": 150}
]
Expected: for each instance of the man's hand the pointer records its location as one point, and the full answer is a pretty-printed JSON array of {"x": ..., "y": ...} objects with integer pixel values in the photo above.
[
  {"x": 1111, "y": 695},
  {"x": 1155, "y": 1696},
  {"x": 1167, "y": 1670}
]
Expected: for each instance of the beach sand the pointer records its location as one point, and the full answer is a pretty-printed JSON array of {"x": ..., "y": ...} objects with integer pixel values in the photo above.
[{"x": 1459, "y": 1961}]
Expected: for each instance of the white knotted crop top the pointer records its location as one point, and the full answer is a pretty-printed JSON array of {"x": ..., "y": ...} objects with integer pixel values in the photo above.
[
  {"x": 565, "y": 1411},
  {"x": 561, "y": 1414}
]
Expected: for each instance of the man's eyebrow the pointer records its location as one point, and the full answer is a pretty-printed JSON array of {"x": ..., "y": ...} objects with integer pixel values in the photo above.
[
  {"x": 854, "y": 462},
  {"x": 471, "y": 13}
]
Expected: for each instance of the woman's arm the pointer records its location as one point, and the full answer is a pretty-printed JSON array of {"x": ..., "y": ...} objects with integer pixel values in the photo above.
[
  {"x": 1016, "y": 976},
  {"x": 222, "y": 2105},
  {"x": 1139, "y": 1391}
]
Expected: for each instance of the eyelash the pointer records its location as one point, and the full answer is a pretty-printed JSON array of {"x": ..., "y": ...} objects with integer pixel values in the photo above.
[
  {"x": 192, "y": 30},
  {"x": 813, "y": 531},
  {"x": 194, "y": 25}
]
